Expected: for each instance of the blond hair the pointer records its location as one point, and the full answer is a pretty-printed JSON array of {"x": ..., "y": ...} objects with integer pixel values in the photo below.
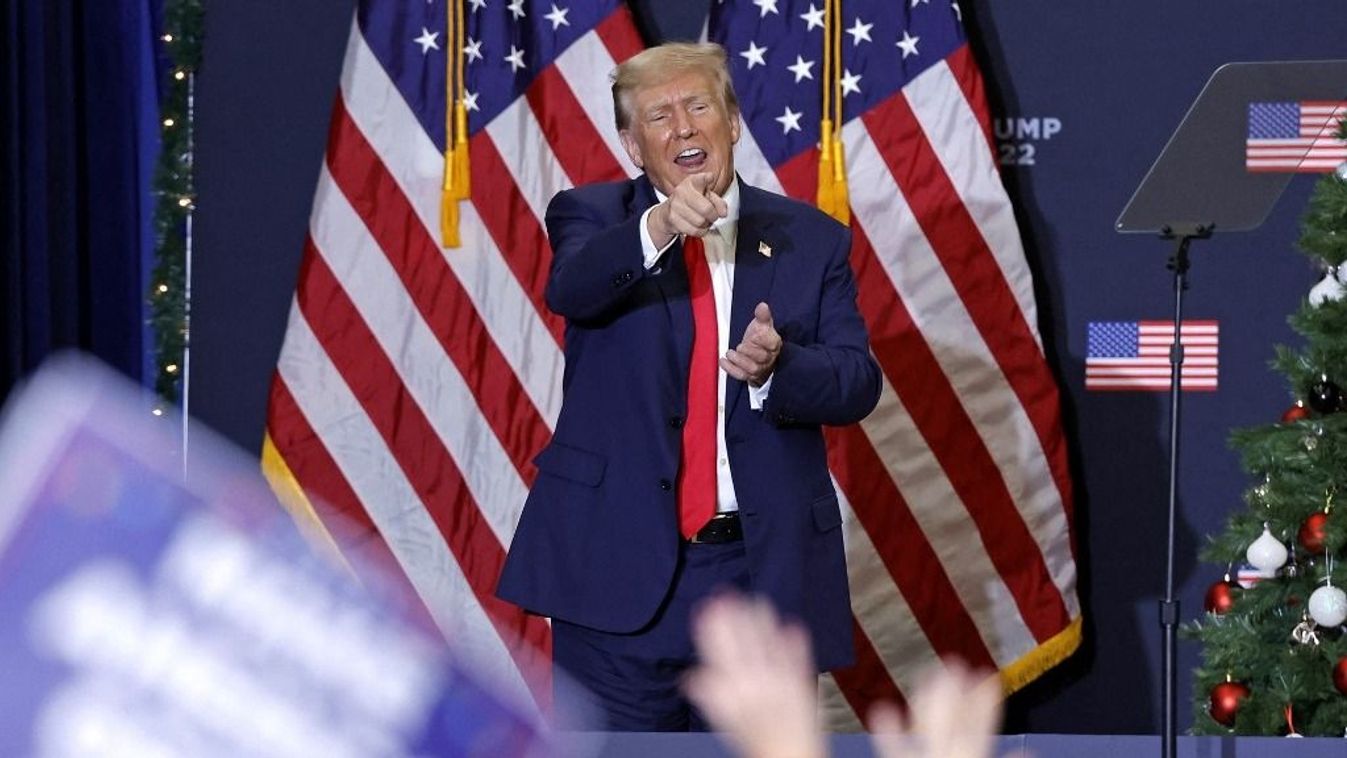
[{"x": 660, "y": 64}]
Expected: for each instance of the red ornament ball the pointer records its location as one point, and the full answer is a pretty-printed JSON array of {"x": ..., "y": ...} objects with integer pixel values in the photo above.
[
  {"x": 1311, "y": 535},
  {"x": 1340, "y": 675},
  {"x": 1296, "y": 412},
  {"x": 1221, "y": 596},
  {"x": 1225, "y": 701}
]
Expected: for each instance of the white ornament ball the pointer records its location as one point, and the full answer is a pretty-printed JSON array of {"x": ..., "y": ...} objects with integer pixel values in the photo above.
[
  {"x": 1328, "y": 606},
  {"x": 1328, "y": 289},
  {"x": 1342, "y": 272},
  {"x": 1341, "y": 171},
  {"x": 1267, "y": 553}
]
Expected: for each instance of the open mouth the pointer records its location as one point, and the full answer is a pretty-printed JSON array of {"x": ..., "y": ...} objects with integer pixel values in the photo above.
[{"x": 692, "y": 158}]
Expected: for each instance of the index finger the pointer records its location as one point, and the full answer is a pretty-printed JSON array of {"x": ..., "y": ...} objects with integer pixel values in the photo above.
[
  {"x": 721, "y": 207},
  {"x": 701, "y": 181}
]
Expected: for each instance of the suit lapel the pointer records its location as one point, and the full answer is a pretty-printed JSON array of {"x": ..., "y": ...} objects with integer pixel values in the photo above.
[{"x": 753, "y": 274}]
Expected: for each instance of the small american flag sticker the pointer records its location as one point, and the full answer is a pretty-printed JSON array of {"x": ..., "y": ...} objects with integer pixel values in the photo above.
[{"x": 1134, "y": 355}]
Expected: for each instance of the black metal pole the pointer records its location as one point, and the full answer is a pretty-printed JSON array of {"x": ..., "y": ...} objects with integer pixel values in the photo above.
[{"x": 1169, "y": 606}]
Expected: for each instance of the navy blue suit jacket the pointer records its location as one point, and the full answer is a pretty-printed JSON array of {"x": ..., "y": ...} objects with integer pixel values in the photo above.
[{"x": 598, "y": 540}]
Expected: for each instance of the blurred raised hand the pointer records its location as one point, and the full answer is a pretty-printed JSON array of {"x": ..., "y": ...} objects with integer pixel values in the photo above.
[
  {"x": 755, "y": 682},
  {"x": 954, "y": 713}
]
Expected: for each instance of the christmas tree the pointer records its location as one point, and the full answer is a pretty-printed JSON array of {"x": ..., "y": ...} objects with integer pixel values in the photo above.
[{"x": 1274, "y": 645}]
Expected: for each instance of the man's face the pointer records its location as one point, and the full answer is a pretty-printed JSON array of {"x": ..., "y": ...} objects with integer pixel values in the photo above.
[{"x": 679, "y": 128}]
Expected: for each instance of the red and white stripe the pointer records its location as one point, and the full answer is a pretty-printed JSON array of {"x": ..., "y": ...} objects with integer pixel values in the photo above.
[
  {"x": 416, "y": 383},
  {"x": 1320, "y": 118},
  {"x": 1318, "y": 153}
]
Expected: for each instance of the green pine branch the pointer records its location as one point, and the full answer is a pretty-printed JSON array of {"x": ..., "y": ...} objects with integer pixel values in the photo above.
[{"x": 1297, "y": 469}]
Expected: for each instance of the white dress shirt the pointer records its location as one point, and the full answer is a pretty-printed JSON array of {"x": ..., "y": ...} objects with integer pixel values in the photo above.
[{"x": 719, "y": 246}]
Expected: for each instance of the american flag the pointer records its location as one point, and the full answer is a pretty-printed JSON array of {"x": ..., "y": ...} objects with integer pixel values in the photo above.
[
  {"x": 417, "y": 382},
  {"x": 1295, "y": 137},
  {"x": 955, "y": 491},
  {"x": 1134, "y": 355}
]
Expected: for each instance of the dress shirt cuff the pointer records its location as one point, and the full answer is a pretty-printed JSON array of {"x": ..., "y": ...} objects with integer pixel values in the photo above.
[
  {"x": 757, "y": 396},
  {"x": 648, "y": 250}
]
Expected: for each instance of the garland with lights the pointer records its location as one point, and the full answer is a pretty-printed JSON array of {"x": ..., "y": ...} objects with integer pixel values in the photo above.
[{"x": 174, "y": 197}]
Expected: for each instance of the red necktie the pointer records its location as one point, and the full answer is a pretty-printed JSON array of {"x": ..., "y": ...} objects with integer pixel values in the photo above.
[{"x": 697, "y": 477}]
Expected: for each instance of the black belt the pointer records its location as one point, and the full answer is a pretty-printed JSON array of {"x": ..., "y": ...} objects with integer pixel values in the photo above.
[{"x": 723, "y": 527}]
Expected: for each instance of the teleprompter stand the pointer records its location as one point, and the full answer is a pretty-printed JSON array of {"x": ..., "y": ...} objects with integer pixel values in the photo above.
[{"x": 1201, "y": 182}]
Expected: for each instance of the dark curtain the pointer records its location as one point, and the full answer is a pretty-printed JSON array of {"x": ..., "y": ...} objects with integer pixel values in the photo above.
[{"x": 78, "y": 141}]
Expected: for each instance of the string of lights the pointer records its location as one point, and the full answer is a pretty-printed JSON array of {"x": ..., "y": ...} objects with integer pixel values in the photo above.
[{"x": 175, "y": 202}]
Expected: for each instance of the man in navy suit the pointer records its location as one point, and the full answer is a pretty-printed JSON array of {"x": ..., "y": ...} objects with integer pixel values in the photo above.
[{"x": 711, "y": 331}]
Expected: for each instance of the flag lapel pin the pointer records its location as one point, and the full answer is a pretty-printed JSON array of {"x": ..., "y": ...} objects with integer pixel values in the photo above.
[{"x": 765, "y": 249}]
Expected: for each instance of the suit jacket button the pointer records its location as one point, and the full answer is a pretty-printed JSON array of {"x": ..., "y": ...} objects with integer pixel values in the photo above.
[
  {"x": 676, "y": 422},
  {"x": 665, "y": 485}
]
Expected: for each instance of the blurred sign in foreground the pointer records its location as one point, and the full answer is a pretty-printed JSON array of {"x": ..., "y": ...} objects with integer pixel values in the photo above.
[{"x": 148, "y": 613}]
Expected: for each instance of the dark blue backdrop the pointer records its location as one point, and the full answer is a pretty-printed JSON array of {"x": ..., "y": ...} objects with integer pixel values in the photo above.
[
  {"x": 79, "y": 135},
  {"x": 1119, "y": 76},
  {"x": 1116, "y": 76}
]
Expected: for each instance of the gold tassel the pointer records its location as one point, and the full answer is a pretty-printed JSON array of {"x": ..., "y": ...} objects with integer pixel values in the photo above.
[
  {"x": 823, "y": 196},
  {"x": 462, "y": 176},
  {"x": 449, "y": 217},
  {"x": 832, "y": 197},
  {"x": 841, "y": 209},
  {"x": 457, "y": 179},
  {"x": 826, "y": 199},
  {"x": 456, "y": 171},
  {"x": 841, "y": 202}
]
